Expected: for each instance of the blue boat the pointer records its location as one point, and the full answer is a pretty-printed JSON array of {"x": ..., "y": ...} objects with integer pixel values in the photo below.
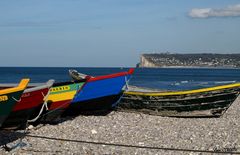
[{"x": 100, "y": 93}]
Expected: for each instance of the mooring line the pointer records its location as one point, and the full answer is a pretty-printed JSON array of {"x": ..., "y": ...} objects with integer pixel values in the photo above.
[{"x": 133, "y": 146}]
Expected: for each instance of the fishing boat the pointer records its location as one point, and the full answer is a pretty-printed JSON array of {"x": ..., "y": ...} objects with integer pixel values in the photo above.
[
  {"x": 26, "y": 107},
  {"x": 9, "y": 98},
  {"x": 60, "y": 97},
  {"x": 100, "y": 93},
  {"x": 204, "y": 102}
]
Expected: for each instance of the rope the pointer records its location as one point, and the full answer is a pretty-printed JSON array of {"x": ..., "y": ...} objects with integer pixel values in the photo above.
[
  {"x": 45, "y": 98},
  {"x": 135, "y": 146},
  {"x": 126, "y": 81},
  {"x": 125, "y": 88},
  {"x": 49, "y": 111},
  {"x": 16, "y": 99},
  {"x": 39, "y": 114},
  {"x": 62, "y": 105},
  {"x": 42, "y": 108}
]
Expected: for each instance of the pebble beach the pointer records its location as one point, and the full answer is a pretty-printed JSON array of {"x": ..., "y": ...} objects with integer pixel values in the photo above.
[{"x": 131, "y": 133}]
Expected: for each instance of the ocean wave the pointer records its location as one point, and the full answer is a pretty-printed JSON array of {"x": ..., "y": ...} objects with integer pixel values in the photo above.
[{"x": 223, "y": 82}]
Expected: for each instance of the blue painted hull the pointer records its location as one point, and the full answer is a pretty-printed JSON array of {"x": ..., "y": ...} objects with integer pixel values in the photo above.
[{"x": 102, "y": 94}]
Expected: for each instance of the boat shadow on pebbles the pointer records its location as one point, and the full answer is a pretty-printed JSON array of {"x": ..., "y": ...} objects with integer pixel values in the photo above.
[
  {"x": 74, "y": 113},
  {"x": 56, "y": 121},
  {"x": 8, "y": 137}
]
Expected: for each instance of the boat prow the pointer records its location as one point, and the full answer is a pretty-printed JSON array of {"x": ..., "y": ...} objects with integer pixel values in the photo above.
[
  {"x": 9, "y": 97},
  {"x": 27, "y": 105},
  {"x": 100, "y": 94}
]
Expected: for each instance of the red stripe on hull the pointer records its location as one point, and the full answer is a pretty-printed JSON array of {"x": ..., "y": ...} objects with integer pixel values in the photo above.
[
  {"x": 60, "y": 104},
  {"x": 130, "y": 71},
  {"x": 31, "y": 99}
]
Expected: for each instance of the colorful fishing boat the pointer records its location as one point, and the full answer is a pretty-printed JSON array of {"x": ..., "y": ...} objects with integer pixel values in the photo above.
[
  {"x": 9, "y": 98},
  {"x": 60, "y": 97},
  {"x": 205, "y": 102},
  {"x": 100, "y": 93},
  {"x": 26, "y": 107}
]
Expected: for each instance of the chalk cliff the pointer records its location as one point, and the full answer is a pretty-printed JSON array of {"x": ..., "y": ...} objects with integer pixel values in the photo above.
[{"x": 190, "y": 60}]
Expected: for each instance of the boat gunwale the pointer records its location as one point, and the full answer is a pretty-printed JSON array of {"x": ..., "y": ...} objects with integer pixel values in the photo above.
[
  {"x": 68, "y": 83},
  {"x": 181, "y": 99},
  {"x": 103, "y": 77},
  {"x": 48, "y": 84},
  {"x": 202, "y": 90},
  {"x": 21, "y": 86},
  {"x": 32, "y": 87}
]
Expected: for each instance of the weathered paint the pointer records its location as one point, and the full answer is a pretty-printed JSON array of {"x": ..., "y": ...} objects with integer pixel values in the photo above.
[
  {"x": 183, "y": 92},
  {"x": 204, "y": 104}
]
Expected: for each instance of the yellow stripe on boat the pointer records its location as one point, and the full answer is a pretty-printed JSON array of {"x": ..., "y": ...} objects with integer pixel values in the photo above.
[
  {"x": 62, "y": 96},
  {"x": 23, "y": 84},
  {"x": 184, "y": 92}
]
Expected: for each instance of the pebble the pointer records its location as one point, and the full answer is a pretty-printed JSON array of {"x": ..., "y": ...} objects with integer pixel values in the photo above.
[
  {"x": 94, "y": 131},
  {"x": 131, "y": 133}
]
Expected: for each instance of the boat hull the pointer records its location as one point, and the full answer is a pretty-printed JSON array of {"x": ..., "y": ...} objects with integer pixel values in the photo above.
[
  {"x": 101, "y": 104},
  {"x": 100, "y": 93},
  {"x": 51, "y": 118},
  {"x": 203, "y": 104},
  {"x": 2, "y": 119},
  {"x": 24, "y": 109},
  {"x": 7, "y": 105},
  {"x": 59, "y": 99},
  {"x": 18, "y": 119}
]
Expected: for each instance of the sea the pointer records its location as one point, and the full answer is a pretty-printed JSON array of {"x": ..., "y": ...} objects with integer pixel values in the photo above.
[{"x": 156, "y": 78}]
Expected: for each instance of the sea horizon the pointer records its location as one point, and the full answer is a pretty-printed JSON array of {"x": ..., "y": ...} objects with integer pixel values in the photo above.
[
  {"x": 157, "y": 78},
  {"x": 167, "y": 67}
]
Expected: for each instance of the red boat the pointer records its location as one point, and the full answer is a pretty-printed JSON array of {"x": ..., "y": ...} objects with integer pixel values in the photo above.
[{"x": 30, "y": 101}]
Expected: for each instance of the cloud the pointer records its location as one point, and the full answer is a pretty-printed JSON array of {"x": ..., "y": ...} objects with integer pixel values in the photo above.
[{"x": 229, "y": 11}]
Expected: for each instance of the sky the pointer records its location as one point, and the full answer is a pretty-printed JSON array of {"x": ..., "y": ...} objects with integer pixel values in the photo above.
[{"x": 113, "y": 33}]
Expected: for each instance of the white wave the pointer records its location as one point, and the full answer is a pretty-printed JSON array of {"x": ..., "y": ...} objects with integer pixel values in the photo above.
[
  {"x": 223, "y": 82},
  {"x": 177, "y": 84}
]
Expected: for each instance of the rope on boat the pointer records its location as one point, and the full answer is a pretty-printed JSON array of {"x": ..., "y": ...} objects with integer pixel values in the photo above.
[
  {"x": 16, "y": 99},
  {"x": 62, "y": 105},
  {"x": 45, "y": 98},
  {"x": 126, "y": 81},
  {"x": 42, "y": 108},
  {"x": 40, "y": 113},
  {"x": 124, "y": 89},
  {"x": 45, "y": 105}
]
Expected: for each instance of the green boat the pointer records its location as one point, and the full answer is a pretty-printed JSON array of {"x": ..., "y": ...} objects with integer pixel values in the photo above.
[
  {"x": 9, "y": 97},
  {"x": 205, "y": 102}
]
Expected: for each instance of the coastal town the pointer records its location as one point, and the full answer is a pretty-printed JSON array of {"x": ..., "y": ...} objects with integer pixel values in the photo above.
[{"x": 190, "y": 60}]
